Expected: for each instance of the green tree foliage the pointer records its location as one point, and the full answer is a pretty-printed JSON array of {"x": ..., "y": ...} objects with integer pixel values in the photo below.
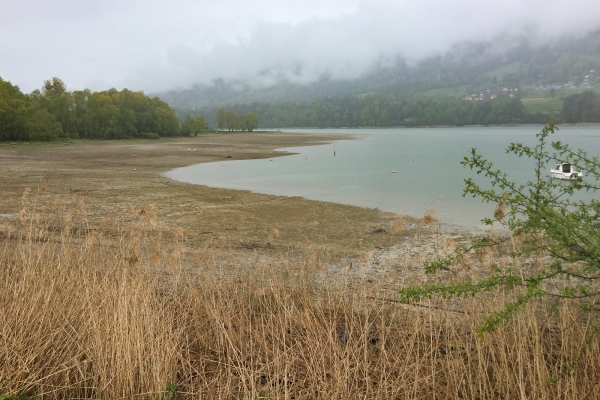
[
  {"x": 584, "y": 107},
  {"x": 227, "y": 119},
  {"x": 42, "y": 126},
  {"x": 57, "y": 101},
  {"x": 165, "y": 119},
  {"x": 232, "y": 121},
  {"x": 104, "y": 117},
  {"x": 55, "y": 112},
  {"x": 221, "y": 117},
  {"x": 544, "y": 214},
  {"x": 21, "y": 118},
  {"x": 249, "y": 122},
  {"x": 15, "y": 108},
  {"x": 81, "y": 114},
  {"x": 193, "y": 126},
  {"x": 377, "y": 111}
]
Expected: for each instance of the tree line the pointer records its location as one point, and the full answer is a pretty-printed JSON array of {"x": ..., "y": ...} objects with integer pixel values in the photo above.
[
  {"x": 53, "y": 112},
  {"x": 381, "y": 111},
  {"x": 227, "y": 119}
]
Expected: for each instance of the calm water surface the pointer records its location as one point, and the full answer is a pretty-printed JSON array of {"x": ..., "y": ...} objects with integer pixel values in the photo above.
[{"x": 426, "y": 160}]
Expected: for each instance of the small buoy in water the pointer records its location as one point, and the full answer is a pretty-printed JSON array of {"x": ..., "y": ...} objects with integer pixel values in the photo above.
[
  {"x": 135, "y": 169},
  {"x": 133, "y": 155},
  {"x": 393, "y": 171}
]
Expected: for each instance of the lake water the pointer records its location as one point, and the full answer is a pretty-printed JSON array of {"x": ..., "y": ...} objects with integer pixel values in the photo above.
[{"x": 426, "y": 160}]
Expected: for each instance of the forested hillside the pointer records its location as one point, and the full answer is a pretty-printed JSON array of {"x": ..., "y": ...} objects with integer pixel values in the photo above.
[{"x": 467, "y": 68}]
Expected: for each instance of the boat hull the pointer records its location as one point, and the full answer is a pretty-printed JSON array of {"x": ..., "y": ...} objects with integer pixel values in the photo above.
[{"x": 566, "y": 177}]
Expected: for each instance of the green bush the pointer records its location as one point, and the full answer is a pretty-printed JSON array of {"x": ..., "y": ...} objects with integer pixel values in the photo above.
[
  {"x": 544, "y": 215},
  {"x": 148, "y": 135}
]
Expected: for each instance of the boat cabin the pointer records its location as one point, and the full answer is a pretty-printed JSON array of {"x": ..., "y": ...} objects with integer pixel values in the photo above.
[{"x": 565, "y": 168}]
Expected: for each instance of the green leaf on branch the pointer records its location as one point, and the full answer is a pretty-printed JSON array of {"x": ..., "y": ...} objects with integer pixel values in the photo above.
[{"x": 542, "y": 213}]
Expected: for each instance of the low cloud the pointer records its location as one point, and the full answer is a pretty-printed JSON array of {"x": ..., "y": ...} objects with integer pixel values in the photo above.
[{"x": 154, "y": 46}]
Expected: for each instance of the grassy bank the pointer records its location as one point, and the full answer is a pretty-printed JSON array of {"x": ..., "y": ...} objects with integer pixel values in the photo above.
[
  {"x": 117, "y": 308},
  {"x": 542, "y": 105}
]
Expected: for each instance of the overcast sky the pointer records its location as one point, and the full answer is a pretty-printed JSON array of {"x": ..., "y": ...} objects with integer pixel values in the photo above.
[{"x": 155, "y": 45}]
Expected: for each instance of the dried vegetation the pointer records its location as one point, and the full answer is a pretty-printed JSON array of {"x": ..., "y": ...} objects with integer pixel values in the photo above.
[{"x": 119, "y": 309}]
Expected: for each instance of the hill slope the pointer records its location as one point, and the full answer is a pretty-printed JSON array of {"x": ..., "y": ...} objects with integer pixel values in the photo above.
[{"x": 467, "y": 68}]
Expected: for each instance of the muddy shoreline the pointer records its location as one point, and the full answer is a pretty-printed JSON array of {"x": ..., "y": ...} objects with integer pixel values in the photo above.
[{"x": 117, "y": 179}]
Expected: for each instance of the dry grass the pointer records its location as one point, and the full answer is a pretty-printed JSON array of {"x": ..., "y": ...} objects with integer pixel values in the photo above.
[{"x": 115, "y": 311}]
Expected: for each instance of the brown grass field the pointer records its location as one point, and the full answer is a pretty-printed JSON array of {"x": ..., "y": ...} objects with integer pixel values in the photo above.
[{"x": 117, "y": 283}]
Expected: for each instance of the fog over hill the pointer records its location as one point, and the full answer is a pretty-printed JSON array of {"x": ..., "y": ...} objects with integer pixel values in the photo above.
[
  {"x": 329, "y": 46},
  {"x": 507, "y": 61}
]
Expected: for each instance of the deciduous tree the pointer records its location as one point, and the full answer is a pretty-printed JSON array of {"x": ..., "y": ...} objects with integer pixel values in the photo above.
[
  {"x": 193, "y": 126},
  {"x": 250, "y": 122},
  {"x": 42, "y": 126}
]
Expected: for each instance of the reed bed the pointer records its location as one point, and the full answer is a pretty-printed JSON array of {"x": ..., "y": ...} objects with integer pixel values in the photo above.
[{"x": 118, "y": 308}]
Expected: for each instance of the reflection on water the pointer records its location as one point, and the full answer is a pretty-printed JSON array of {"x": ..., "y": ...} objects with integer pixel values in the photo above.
[{"x": 426, "y": 160}]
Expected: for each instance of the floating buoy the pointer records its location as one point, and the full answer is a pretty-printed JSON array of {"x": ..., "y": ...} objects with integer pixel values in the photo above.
[
  {"x": 133, "y": 155},
  {"x": 393, "y": 171},
  {"x": 135, "y": 169}
]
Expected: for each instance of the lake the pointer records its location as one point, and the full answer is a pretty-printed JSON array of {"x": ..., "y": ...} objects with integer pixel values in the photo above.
[{"x": 428, "y": 175}]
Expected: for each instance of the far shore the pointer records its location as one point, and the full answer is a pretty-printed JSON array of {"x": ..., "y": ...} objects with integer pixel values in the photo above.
[{"x": 426, "y": 126}]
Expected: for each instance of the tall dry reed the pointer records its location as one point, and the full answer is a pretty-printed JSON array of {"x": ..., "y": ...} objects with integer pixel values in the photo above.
[
  {"x": 80, "y": 318},
  {"x": 118, "y": 310}
]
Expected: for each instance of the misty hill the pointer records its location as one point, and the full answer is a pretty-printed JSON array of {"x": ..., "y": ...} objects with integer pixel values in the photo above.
[{"x": 467, "y": 68}]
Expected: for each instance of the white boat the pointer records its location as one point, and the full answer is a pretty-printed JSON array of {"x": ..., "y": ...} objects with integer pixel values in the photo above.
[{"x": 565, "y": 171}]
